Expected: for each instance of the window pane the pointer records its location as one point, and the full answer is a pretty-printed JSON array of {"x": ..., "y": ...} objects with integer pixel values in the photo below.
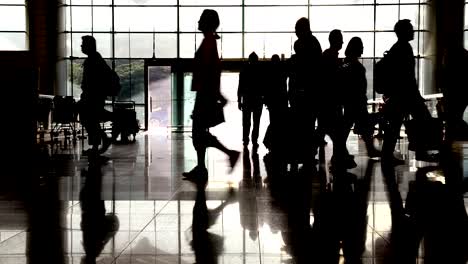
[
  {"x": 18, "y": 2},
  {"x": 104, "y": 44},
  {"x": 81, "y": 18},
  {"x": 273, "y": 18},
  {"x": 369, "y": 65},
  {"x": 267, "y": 44},
  {"x": 276, "y": 2},
  {"x": 138, "y": 46},
  {"x": 210, "y": 2},
  {"x": 75, "y": 75},
  {"x": 230, "y": 46},
  {"x": 160, "y": 19},
  {"x": 63, "y": 68},
  {"x": 230, "y": 18},
  {"x": 466, "y": 39},
  {"x": 325, "y": 18},
  {"x": 145, "y": 2},
  {"x": 426, "y": 75},
  {"x": 13, "y": 41},
  {"x": 189, "y": 43},
  {"x": 68, "y": 51},
  {"x": 466, "y": 17},
  {"x": 410, "y": 12},
  {"x": 166, "y": 46},
  {"x": 76, "y": 48},
  {"x": 383, "y": 42},
  {"x": 386, "y": 17},
  {"x": 102, "y": 19},
  {"x": 131, "y": 79},
  {"x": 13, "y": 18}
]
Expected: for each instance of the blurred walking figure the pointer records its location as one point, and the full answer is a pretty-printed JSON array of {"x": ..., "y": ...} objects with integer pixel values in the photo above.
[
  {"x": 354, "y": 85},
  {"x": 250, "y": 99},
  {"x": 209, "y": 102}
]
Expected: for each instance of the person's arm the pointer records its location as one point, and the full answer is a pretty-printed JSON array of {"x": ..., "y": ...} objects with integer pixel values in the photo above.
[{"x": 240, "y": 89}]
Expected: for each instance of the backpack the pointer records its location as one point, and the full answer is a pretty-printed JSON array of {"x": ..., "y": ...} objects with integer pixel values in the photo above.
[
  {"x": 112, "y": 82},
  {"x": 114, "y": 87},
  {"x": 383, "y": 77}
]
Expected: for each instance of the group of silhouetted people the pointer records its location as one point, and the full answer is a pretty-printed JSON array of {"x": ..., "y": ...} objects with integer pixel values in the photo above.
[{"x": 312, "y": 87}]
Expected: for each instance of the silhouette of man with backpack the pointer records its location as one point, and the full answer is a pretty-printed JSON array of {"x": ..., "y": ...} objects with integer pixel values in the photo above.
[
  {"x": 402, "y": 95},
  {"x": 95, "y": 90}
]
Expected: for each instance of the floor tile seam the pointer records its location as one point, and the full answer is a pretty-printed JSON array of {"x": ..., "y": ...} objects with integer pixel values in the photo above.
[{"x": 147, "y": 224}]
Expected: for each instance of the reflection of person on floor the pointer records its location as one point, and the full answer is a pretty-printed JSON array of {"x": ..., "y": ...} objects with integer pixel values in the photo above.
[
  {"x": 91, "y": 104},
  {"x": 250, "y": 99},
  {"x": 247, "y": 199},
  {"x": 206, "y": 245},
  {"x": 97, "y": 226},
  {"x": 209, "y": 102}
]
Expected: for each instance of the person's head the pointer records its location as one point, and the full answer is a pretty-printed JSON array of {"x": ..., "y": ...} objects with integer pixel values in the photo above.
[
  {"x": 253, "y": 57},
  {"x": 209, "y": 21},
  {"x": 88, "y": 44},
  {"x": 354, "y": 48},
  {"x": 302, "y": 27},
  {"x": 299, "y": 47},
  {"x": 404, "y": 30},
  {"x": 275, "y": 58},
  {"x": 336, "y": 39}
]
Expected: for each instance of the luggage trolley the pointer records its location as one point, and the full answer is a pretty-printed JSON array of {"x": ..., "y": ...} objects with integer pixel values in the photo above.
[{"x": 125, "y": 122}]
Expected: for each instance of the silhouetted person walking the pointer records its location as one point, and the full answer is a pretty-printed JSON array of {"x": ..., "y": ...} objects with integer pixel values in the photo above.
[
  {"x": 403, "y": 98},
  {"x": 306, "y": 74},
  {"x": 330, "y": 118},
  {"x": 331, "y": 63},
  {"x": 354, "y": 86},
  {"x": 250, "y": 99},
  {"x": 91, "y": 105},
  {"x": 276, "y": 101},
  {"x": 209, "y": 102}
]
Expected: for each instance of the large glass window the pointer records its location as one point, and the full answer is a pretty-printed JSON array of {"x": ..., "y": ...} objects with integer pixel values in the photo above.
[
  {"x": 13, "y": 25},
  {"x": 132, "y": 30}
]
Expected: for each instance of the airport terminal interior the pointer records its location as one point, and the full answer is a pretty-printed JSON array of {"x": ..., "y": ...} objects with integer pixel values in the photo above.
[{"x": 132, "y": 204}]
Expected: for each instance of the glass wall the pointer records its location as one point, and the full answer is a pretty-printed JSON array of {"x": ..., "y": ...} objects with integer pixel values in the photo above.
[
  {"x": 13, "y": 25},
  {"x": 127, "y": 31}
]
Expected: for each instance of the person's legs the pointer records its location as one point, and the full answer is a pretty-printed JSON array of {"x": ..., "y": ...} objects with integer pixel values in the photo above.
[
  {"x": 257, "y": 113},
  {"x": 199, "y": 143},
  {"x": 212, "y": 141},
  {"x": 365, "y": 128},
  {"x": 246, "y": 116},
  {"x": 394, "y": 114}
]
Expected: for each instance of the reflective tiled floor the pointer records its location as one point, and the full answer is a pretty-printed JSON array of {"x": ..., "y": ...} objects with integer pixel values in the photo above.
[{"x": 135, "y": 208}]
